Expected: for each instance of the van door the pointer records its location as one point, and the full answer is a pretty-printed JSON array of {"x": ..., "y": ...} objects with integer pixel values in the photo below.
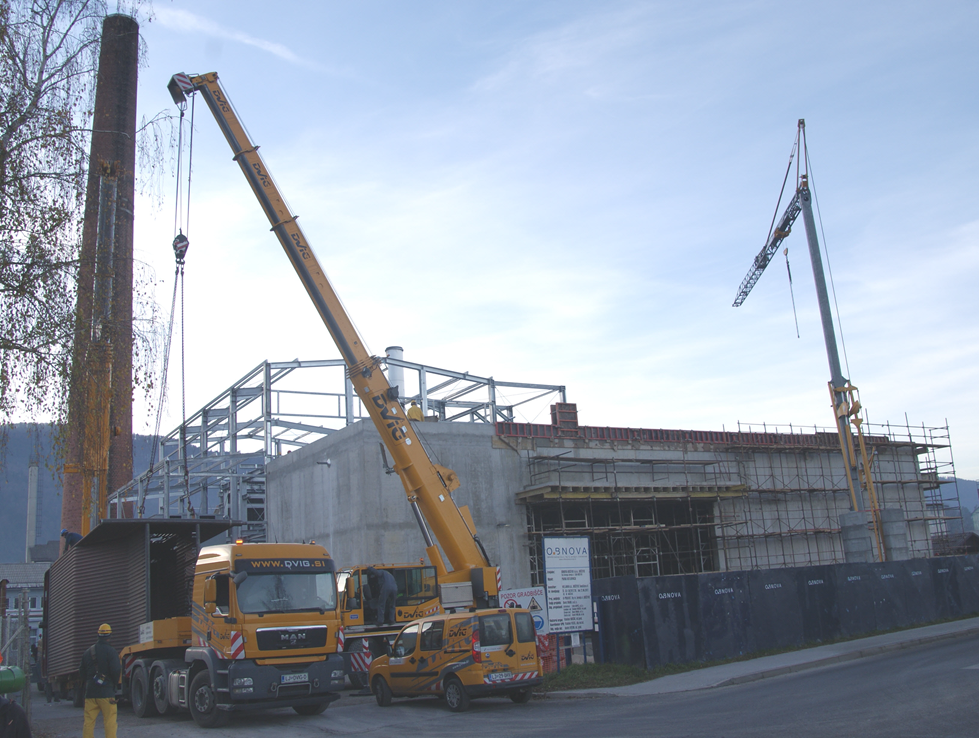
[
  {"x": 430, "y": 656},
  {"x": 417, "y": 657},
  {"x": 499, "y": 658},
  {"x": 526, "y": 645},
  {"x": 402, "y": 662}
]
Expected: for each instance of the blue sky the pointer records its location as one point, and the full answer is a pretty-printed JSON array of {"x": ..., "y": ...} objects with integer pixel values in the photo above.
[{"x": 571, "y": 193}]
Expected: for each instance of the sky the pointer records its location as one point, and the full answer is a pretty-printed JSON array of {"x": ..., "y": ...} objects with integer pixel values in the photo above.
[{"x": 571, "y": 193}]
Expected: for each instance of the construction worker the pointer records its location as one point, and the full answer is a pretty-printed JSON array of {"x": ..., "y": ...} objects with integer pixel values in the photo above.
[
  {"x": 13, "y": 720},
  {"x": 70, "y": 538},
  {"x": 415, "y": 412},
  {"x": 387, "y": 590},
  {"x": 100, "y": 671}
]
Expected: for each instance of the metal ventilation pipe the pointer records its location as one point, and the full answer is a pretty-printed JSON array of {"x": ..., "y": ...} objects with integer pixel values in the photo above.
[{"x": 396, "y": 374}]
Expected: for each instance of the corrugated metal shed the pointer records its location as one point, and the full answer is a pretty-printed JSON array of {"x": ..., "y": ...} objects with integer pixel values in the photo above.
[{"x": 124, "y": 573}]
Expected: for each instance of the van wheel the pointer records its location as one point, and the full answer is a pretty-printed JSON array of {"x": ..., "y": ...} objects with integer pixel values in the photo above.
[
  {"x": 455, "y": 695},
  {"x": 311, "y": 709},
  {"x": 382, "y": 692},
  {"x": 203, "y": 703},
  {"x": 139, "y": 693},
  {"x": 521, "y": 696}
]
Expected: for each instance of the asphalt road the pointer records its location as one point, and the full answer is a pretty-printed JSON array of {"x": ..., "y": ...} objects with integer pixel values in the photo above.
[{"x": 925, "y": 691}]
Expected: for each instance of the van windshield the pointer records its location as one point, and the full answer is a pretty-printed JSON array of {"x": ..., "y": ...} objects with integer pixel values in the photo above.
[{"x": 292, "y": 592}]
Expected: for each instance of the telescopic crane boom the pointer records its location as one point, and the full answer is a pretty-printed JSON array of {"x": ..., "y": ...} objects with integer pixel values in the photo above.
[
  {"x": 845, "y": 397},
  {"x": 427, "y": 484}
]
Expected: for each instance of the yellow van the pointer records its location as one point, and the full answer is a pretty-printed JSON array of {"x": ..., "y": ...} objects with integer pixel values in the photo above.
[{"x": 460, "y": 656}]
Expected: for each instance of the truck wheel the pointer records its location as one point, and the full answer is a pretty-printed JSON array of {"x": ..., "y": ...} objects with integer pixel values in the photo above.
[
  {"x": 455, "y": 695},
  {"x": 139, "y": 693},
  {"x": 382, "y": 692},
  {"x": 521, "y": 696},
  {"x": 158, "y": 691},
  {"x": 311, "y": 709},
  {"x": 203, "y": 703}
]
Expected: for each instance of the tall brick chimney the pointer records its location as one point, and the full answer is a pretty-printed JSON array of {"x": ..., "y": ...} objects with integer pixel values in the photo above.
[{"x": 113, "y": 153}]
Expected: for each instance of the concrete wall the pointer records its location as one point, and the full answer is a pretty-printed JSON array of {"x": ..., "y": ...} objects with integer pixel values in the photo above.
[
  {"x": 361, "y": 514},
  {"x": 787, "y": 513}
]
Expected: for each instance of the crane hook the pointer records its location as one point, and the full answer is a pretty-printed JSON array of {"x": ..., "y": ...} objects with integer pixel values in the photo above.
[{"x": 180, "y": 245}]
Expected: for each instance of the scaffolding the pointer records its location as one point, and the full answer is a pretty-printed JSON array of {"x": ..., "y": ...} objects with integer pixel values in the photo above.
[{"x": 663, "y": 501}]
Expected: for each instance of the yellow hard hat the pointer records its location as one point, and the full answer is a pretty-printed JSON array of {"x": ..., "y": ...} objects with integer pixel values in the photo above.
[{"x": 105, "y": 629}]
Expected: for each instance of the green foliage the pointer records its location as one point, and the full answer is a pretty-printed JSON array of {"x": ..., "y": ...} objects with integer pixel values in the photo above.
[
  {"x": 48, "y": 70},
  {"x": 48, "y": 58}
]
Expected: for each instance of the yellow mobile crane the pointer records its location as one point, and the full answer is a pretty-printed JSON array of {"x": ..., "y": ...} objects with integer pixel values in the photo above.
[{"x": 467, "y": 578}]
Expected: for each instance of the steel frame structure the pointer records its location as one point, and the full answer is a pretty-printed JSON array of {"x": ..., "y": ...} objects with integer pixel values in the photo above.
[{"x": 219, "y": 470}]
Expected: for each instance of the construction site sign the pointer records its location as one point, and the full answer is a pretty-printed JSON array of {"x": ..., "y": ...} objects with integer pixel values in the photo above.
[
  {"x": 567, "y": 570},
  {"x": 532, "y": 598}
]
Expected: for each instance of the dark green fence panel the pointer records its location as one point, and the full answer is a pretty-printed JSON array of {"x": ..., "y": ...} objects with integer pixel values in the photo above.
[
  {"x": 725, "y": 615},
  {"x": 776, "y": 620},
  {"x": 816, "y": 587},
  {"x": 620, "y": 621},
  {"x": 721, "y": 615},
  {"x": 855, "y": 599},
  {"x": 671, "y": 619}
]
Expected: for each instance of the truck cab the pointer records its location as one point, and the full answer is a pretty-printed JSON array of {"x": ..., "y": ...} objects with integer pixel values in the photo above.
[
  {"x": 263, "y": 632},
  {"x": 417, "y": 597}
]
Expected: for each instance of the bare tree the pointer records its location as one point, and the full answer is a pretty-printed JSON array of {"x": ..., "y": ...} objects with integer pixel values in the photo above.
[
  {"x": 48, "y": 57},
  {"x": 48, "y": 67}
]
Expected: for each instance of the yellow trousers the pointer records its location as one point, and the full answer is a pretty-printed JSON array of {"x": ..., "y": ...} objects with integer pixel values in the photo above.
[{"x": 108, "y": 709}]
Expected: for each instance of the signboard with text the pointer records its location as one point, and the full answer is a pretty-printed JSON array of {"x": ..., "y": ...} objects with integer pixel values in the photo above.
[
  {"x": 567, "y": 568},
  {"x": 532, "y": 598}
]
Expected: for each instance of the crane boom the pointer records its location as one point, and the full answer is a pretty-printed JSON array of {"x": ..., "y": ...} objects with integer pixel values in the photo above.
[
  {"x": 427, "y": 485},
  {"x": 783, "y": 229}
]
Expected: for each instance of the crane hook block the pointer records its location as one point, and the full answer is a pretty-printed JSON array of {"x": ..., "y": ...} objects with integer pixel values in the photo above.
[{"x": 180, "y": 246}]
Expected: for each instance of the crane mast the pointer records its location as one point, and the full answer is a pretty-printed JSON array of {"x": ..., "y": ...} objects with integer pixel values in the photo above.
[
  {"x": 427, "y": 485},
  {"x": 844, "y": 396}
]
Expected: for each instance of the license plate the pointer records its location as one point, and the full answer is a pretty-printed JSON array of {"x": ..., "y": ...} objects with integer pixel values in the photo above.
[
  {"x": 293, "y": 678},
  {"x": 501, "y": 676}
]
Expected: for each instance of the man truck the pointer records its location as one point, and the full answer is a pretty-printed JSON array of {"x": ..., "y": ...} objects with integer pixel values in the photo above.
[{"x": 211, "y": 630}]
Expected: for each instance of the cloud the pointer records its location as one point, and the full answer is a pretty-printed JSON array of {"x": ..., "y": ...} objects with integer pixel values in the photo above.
[{"x": 183, "y": 20}]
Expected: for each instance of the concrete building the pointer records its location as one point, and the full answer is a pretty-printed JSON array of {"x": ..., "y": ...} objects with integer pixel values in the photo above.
[
  {"x": 293, "y": 463},
  {"x": 360, "y": 512},
  {"x": 652, "y": 501}
]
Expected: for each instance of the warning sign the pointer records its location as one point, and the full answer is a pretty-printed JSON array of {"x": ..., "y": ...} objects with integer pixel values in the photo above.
[{"x": 532, "y": 599}]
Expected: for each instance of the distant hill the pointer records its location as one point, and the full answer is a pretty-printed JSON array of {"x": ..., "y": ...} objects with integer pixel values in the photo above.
[
  {"x": 968, "y": 492},
  {"x": 14, "y": 464}
]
